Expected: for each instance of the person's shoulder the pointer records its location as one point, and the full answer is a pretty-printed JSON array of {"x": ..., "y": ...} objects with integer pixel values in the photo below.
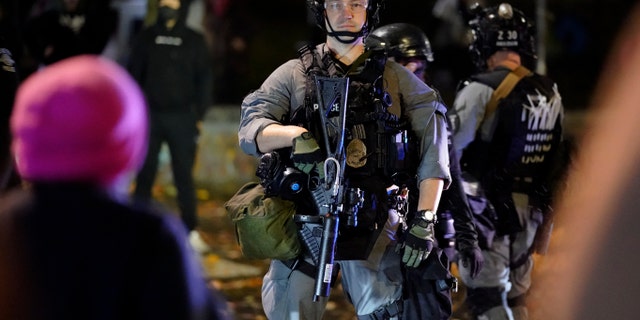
[
  {"x": 394, "y": 71},
  {"x": 149, "y": 212},
  {"x": 543, "y": 79},
  {"x": 490, "y": 78},
  {"x": 395, "y": 66}
]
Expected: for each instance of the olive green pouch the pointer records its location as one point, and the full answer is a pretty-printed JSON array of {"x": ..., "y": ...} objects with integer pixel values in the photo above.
[{"x": 264, "y": 225}]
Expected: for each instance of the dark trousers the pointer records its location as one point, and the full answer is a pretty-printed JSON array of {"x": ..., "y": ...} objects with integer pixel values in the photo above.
[{"x": 180, "y": 132}]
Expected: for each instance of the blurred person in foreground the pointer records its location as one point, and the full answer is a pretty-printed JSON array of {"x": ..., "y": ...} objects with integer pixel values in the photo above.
[
  {"x": 507, "y": 128},
  {"x": 591, "y": 271},
  {"x": 171, "y": 63},
  {"x": 72, "y": 246},
  {"x": 388, "y": 112}
]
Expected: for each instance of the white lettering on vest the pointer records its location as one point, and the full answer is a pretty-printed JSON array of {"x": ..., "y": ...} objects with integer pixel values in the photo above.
[{"x": 171, "y": 41}]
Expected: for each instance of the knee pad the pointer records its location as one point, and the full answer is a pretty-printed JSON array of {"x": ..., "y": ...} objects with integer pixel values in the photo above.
[{"x": 481, "y": 300}]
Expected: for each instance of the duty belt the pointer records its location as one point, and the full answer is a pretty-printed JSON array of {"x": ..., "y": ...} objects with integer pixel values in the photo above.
[{"x": 385, "y": 313}]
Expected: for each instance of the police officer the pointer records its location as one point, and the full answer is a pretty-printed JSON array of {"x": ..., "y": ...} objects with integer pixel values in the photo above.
[
  {"x": 507, "y": 125},
  {"x": 408, "y": 45},
  {"x": 171, "y": 64},
  {"x": 384, "y": 100}
]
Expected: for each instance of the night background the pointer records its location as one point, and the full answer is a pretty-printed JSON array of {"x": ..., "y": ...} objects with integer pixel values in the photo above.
[{"x": 249, "y": 39}]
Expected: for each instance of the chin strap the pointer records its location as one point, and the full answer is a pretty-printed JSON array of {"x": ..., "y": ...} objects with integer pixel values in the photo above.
[{"x": 352, "y": 35}]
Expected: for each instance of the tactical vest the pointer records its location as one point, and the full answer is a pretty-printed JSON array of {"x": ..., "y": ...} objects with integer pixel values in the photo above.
[
  {"x": 377, "y": 142},
  {"x": 523, "y": 148}
]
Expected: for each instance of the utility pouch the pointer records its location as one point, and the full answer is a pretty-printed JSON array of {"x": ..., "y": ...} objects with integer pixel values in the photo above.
[
  {"x": 264, "y": 225},
  {"x": 483, "y": 214},
  {"x": 427, "y": 289}
]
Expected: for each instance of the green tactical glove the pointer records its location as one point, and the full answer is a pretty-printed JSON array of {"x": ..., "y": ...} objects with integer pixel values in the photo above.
[
  {"x": 306, "y": 154},
  {"x": 418, "y": 242}
]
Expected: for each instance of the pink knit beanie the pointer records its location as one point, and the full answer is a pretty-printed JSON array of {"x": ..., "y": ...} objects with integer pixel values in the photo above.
[{"x": 81, "y": 119}]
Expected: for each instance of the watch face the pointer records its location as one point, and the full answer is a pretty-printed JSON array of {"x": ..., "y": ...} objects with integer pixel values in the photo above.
[{"x": 427, "y": 215}]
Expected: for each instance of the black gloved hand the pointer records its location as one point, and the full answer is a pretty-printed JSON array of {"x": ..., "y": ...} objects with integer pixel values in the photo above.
[
  {"x": 472, "y": 259},
  {"x": 418, "y": 242},
  {"x": 306, "y": 154}
]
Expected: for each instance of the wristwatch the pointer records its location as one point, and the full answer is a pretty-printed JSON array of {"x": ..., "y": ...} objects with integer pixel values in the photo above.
[{"x": 426, "y": 215}]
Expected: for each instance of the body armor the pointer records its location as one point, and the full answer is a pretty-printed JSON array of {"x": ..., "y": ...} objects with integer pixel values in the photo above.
[{"x": 377, "y": 142}]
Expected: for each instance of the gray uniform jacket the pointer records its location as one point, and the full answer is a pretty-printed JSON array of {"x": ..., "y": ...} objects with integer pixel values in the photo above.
[{"x": 283, "y": 92}]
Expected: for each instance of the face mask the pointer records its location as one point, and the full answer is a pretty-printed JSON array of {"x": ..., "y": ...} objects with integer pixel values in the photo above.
[{"x": 166, "y": 13}]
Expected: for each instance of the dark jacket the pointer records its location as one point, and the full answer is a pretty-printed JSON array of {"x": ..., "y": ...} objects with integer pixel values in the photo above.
[
  {"x": 57, "y": 34},
  {"x": 81, "y": 255},
  {"x": 173, "y": 67}
]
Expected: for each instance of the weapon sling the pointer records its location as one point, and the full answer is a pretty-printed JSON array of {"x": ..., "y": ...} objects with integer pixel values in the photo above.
[
  {"x": 332, "y": 97},
  {"x": 505, "y": 87}
]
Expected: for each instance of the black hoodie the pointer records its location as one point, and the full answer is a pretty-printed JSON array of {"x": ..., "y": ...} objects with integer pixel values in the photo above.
[{"x": 173, "y": 67}]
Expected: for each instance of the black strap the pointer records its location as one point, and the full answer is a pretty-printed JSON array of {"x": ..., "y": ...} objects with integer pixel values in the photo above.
[
  {"x": 385, "y": 313},
  {"x": 301, "y": 265}
]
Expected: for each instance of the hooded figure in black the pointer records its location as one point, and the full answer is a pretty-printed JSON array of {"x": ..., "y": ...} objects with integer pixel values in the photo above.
[
  {"x": 172, "y": 65},
  {"x": 70, "y": 28},
  {"x": 72, "y": 247}
]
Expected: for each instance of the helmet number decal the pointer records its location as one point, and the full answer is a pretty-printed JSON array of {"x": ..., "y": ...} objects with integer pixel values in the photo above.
[
  {"x": 507, "y": 35},
  {"x": 507, "y": 38}
]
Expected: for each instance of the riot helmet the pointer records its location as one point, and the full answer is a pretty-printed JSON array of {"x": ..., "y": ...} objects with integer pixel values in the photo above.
[
  {"x": 403, "y": 40},
  {"x": 501, "y": 27},
  {"x": 373, "y": 17}
]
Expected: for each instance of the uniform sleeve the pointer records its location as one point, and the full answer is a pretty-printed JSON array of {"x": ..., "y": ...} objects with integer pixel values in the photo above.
[
  {"x": 427, "y": 116},
  {"x": 468, "y": 110},
  {"x": 466, "y": 234},
  {"x": 269, "y": 104}
]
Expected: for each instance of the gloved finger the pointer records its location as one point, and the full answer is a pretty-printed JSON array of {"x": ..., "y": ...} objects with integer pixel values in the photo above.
[
  {"x": 426, "y": 255},
  {"x": 465, "y": 262},
  {"x": 410, "y": 256},
  {"x": 306, "y": 167},
  {"x": 407, "y": 254},
  {"x": 320, "y": 168},
  {"x": 415, "y": 259},
  {"x": 421, "y": 257}
]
